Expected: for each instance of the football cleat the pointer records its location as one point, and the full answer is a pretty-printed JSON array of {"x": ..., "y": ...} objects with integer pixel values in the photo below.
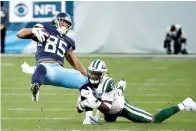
[
  {"x": 91, "y": 121},
  {"x": 35, "y": 91},
  {"x": 189, "y": 104}
]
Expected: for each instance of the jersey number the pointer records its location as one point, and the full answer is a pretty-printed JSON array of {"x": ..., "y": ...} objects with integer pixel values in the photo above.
[{"x": 51, "y": 46}]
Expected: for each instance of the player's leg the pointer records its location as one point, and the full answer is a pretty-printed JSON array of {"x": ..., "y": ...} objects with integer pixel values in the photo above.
[
  {"x": 177, "y": 46},
  {"x": 59, "y": 76},
  {"x": 183, "y": 42},
  {"x": 188, "y": 104},
  {"x": 167, "y": 44},
  {"x": 110, "y": 117},
  {"x": 3, "y": 33},
  {"x": 165, "y": 114},
  {"x": 136, "y": 114},
  {"x": 37, "y": 80}
]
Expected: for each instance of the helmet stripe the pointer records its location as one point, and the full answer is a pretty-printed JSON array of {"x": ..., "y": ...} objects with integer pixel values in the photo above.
[
  {"x": 94, "y": 63},
  {"x": 98, "y": 64}
]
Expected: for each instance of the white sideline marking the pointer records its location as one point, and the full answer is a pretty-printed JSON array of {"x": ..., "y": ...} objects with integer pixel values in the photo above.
[
  {"x": 44, "y": 94},
  {"x": 157, "y": 95},
  {"x": 41, "y": 109},
  {"x": 157, "y": 89},
  {"x": 6, "y": 64},
  {"x": 35, "y": 118},
  {"x": 43, "y": 101},
  {"x": 27, "y": 88}
]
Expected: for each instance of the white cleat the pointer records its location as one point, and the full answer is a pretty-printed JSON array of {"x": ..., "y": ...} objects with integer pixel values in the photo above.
[
  {"x": 189, "y": 104},
  {"x": 91, "y": 121}
]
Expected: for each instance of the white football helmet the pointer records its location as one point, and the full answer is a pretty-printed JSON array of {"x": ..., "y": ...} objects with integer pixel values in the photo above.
[{"x": 96, "y": 71}]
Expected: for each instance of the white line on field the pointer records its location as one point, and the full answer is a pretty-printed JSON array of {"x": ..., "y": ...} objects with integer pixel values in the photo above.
[
  {"x": 41, "y": 109},
  {"x": 45, "y": 94},
  {"x": 156, "y": 89},
  {"x": 7, "y": 101},
  {"x": 35, "y": 118},
  {"x": 6, "y": 64}
]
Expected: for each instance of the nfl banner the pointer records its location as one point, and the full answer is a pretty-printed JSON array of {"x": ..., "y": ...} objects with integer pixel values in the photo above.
[{"x": 35, "y": 11}]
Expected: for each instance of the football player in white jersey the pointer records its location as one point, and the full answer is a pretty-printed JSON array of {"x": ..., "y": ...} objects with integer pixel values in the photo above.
[
  {"x": 101, "y": 93},
  {"x": 174, "y": 33}
]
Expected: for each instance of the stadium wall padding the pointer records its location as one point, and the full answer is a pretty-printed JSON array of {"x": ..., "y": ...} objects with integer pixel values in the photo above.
[{"x": 124, "y": 27}]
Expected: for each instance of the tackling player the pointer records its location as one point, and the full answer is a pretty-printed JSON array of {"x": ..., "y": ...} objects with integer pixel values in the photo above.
[
  {"x": 101, "y": 93},
  {"x": 52, "y": 46}
]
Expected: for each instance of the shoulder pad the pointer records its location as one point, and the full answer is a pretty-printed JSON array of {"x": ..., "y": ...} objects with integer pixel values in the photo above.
[
  {"x": 39, "y": 25},
  {"x": 42, "y": 24},
  {"x": 109, "y": 85},
  {"x": 71, "y": 42}
]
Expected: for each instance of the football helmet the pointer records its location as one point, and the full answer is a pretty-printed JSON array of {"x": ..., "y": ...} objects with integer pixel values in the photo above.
[
  {"x": 58, "y": 19},
  {"x": 96, "y": 71}
]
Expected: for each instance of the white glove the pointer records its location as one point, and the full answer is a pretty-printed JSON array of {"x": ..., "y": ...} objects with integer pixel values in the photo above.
[
  {"x": 90, "y": 100},
  {"x": 40, "y": 34},
  {"x": 90, "y": 103},
  {"x": 121, "y": 85}
]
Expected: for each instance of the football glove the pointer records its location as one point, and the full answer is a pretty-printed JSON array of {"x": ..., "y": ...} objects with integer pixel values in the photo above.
[
  {"x": 40, "y": 34},
  {"x": 90, "y": 100}
]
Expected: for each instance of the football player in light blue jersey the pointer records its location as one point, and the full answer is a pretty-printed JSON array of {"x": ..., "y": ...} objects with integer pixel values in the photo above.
[{"x": 53, "y": 45}]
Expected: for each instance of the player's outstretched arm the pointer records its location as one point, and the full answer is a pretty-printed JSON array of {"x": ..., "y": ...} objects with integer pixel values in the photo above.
[
  {"x": 24, "y": 33},
  {"x": 37, "y": 33},
  {"x": 75, "y": 63}
]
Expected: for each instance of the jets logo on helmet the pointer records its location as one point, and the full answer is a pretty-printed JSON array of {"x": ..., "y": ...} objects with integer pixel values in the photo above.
[{"x": 96, "y": 71}]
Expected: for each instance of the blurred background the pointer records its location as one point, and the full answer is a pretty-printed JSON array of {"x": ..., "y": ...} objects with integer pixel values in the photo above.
[{"x": 105, "y": 27}]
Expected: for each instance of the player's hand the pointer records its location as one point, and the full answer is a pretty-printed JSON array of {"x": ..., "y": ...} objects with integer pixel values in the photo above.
[
  {"x": 40, "y": 34},
  {"x": 90, "y": 100},
  {"x": 90, "y": 103}
]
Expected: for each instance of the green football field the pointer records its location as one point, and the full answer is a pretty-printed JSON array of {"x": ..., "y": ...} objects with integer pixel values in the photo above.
[{"x": 152, "y": 84}]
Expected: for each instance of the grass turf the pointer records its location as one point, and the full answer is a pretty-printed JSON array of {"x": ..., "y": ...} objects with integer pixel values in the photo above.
[{"x": 152, "y": 84}]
